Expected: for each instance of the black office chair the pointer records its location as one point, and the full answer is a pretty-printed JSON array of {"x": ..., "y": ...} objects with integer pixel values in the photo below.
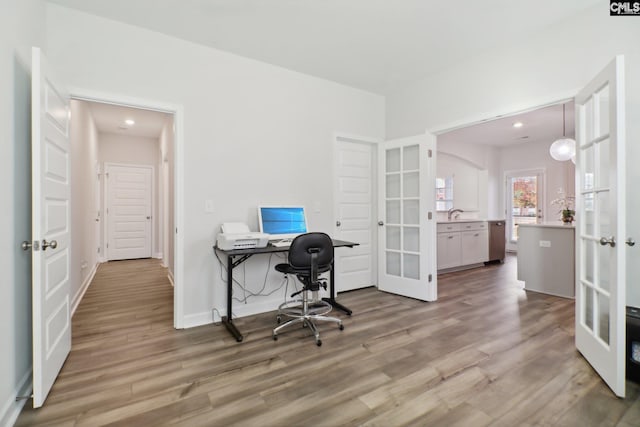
[{"x": 310, "y": 255}]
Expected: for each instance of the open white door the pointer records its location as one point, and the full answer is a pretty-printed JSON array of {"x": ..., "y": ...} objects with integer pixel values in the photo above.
[
  {"x": 407, "y": 229},
  {"x": 600, "y": 228},
  {"x": 50, "y": 227}
]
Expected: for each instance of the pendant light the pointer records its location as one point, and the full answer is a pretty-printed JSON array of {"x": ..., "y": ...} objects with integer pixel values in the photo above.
[{"x": 564, "y": 148}]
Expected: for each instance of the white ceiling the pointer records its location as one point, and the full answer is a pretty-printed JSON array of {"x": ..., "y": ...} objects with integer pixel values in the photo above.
[
  {"x": 543, "y": 124},
  {"x": 111, "y": 119},
  {"x": 369, "y": 44}
]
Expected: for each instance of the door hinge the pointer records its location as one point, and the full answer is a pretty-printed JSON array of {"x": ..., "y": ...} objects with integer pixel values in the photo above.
[
  {"x": 430, "y": 278},
  {"x": 430, "y": 215},
  {"x": 107, "y": 246},
  {"x": 430, "y": 153}
]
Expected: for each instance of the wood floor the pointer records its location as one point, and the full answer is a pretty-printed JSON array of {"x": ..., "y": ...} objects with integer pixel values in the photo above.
[{"x": 486, "y": 353}]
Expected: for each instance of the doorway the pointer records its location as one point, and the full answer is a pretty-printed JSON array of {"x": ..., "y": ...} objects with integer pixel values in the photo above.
[
  {"x": 116, "y": 136},
  {"x": 524, "y": 201}
]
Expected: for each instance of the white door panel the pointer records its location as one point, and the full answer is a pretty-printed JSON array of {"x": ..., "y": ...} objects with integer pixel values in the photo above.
[
  {"x": 128, "y": 211},
  {"x": 600, "y": 225},
  {"x": 406, "y": 197},
  {"x": 50, "y": 227},
  {"x": 354, "y": 214}
]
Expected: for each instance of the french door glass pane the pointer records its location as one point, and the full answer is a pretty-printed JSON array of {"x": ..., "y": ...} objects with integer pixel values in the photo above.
[
  {"x": 602, "y": 205},
  {"x": 603, "y": 267},
  {"x": 411, "y": 237},
  {"x": 588, "y": 225},
  {"x": 393, "y": 237},
  {"x": 588, "y": 122},
  {"x": 393, "y": 211},
  {"x": 411, "y": 266},
  {"x": 603, "y": 106},
  {"x": 393, "y": 160},
  {"x": 411, "y": 212},
  {"x": 410, "y": 158},
  {"x": 603, "y": 162},
  {"x": 589, "y": 265},
  {"x": 393, "y": 263},
  {"x": 393, "y": 185},
  {"x": 588, "y": 306},
  {"x": 603, "y": 317},
  {"x": 411, "y": 185}
]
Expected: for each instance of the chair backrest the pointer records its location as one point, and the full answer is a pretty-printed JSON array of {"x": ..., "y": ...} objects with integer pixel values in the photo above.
[{"x": 302, "y": 249}]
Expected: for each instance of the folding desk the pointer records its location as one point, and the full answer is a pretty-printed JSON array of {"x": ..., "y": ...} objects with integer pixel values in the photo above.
[{"x": 236, "y": 257}]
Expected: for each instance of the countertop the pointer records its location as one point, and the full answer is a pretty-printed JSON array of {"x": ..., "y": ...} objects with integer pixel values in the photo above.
[{"x": 557, "y": 224}]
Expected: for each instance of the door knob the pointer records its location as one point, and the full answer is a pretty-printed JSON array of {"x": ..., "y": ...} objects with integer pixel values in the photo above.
[
  {"x": 148, "y": 217},
  {"x": 338, "y": 223},
  {"x": 52, "y": 244},
  {"x": 380, "y": 223},
  {"x": 26, "y": 245},
  {"x": 630, "y": 241},
  {"x": 611, "y": 241}
]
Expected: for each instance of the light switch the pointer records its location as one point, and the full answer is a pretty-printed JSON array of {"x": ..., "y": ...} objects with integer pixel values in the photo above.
[
  {"x": 545, "y": 243},
  {"x": 208, "y": 206}
]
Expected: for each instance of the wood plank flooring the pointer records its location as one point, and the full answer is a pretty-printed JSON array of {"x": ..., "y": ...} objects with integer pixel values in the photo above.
[{"x": 487, "y": 353}]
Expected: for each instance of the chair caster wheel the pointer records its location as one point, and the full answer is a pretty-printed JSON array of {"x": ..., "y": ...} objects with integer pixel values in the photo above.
[
  {"x": 319, "y": 343},
  {"x": 278, "y": 319},
  {"x": 275, "y": 338},
  {"x": 341, "y": 327}
]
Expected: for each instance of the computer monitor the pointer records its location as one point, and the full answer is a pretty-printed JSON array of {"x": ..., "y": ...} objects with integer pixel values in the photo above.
[{"x": 282, "y": 222}]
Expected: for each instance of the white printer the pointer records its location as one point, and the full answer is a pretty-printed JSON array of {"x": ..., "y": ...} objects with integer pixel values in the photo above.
[{"x": 236, "y": 235}]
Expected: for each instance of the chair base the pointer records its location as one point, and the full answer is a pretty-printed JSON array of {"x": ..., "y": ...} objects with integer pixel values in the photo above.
[{"x": 315, "y": 311}]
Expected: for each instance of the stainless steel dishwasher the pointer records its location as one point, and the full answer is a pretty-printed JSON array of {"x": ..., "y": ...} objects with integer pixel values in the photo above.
[{"x": 497, "y": 240}]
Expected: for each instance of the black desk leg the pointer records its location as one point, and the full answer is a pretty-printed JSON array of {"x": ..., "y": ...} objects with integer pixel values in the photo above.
[
  {"x": 332, "y": 293},
  {"x": 228, "y": 319}
]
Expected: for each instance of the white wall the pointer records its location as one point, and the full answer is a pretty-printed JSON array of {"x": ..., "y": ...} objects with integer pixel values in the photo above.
[
  {"x": 21, "y": 26},
  {"x": 551, "y": 66},
  {"x": 117, "y": 148},
  {"x": 253, "y": 133},
  {"x": 470, "y": 185},
  {"x": 84, "y": 160}
]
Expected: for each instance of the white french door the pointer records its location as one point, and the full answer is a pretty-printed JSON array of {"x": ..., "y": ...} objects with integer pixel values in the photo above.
[
  {"x": 407, "y": 229},
  {"x": 50, "y": 226},
  {"x": 600, "y": 226},
  {"x": 354, "y": 214},
  {"x": 128, "y": 211},
  {"x": 524, "y": 201}
]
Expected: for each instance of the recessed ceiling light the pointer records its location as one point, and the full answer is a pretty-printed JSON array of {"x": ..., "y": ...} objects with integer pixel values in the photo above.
[
  {"x": 517, "y": 125},
  {"x": 130, "y": 122}
]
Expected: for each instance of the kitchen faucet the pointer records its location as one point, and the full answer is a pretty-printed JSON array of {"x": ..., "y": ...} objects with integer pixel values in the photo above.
[{"x": 451, "y": 211}]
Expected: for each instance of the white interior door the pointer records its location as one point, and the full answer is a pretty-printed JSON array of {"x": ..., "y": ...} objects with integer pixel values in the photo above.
[
  {"x": 600, "y": 266},
  {"x": 128, "y": 211},
  {"x": 407, "y": 230},
  {"x": 50, "y": 227},
  {"x": 354, "y": 214}
]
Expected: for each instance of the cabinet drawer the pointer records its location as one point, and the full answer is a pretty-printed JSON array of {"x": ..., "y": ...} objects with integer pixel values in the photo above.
[
  {"x": 447, "y": 227},
  {"x": 470, "y": 226}
]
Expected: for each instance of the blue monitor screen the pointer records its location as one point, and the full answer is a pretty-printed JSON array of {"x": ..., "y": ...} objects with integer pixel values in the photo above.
[{"x": 282, "y": 220}]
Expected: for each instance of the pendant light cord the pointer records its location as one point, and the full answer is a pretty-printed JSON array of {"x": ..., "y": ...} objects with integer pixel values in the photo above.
[{"x": 563, "y": 122}]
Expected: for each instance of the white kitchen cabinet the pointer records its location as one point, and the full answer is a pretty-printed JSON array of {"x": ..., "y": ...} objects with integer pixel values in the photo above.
[
  {"x": 449, "y": 250},
  {"x": 475, "y": 246},
  {"x": 462, "y": 244}
]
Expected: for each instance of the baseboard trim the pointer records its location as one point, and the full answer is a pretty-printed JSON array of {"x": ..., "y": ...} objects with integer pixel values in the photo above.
[
  {"x": 170, "y": 277},
  {"x": 11, "y": 409},
  {"x": 83, "y": 289},
  {"x": 158, "y": 255},
  {"x": 198, "y": 319}
]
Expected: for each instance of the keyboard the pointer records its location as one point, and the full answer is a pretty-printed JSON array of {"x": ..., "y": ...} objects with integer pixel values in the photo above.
[{"x": 280, "y": 243}]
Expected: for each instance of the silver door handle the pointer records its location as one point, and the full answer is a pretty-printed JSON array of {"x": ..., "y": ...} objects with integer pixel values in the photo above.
[
  {"x": 611, "y": 241},
  {"x": 148, "y": 217},
  {"x": 52, "y": 244},
  {"x": 380, "y": 223},
  {"x": 630, "y": 241},
  {"x": 26, "y": 245},
  {"x": 338, "y": 223}
]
